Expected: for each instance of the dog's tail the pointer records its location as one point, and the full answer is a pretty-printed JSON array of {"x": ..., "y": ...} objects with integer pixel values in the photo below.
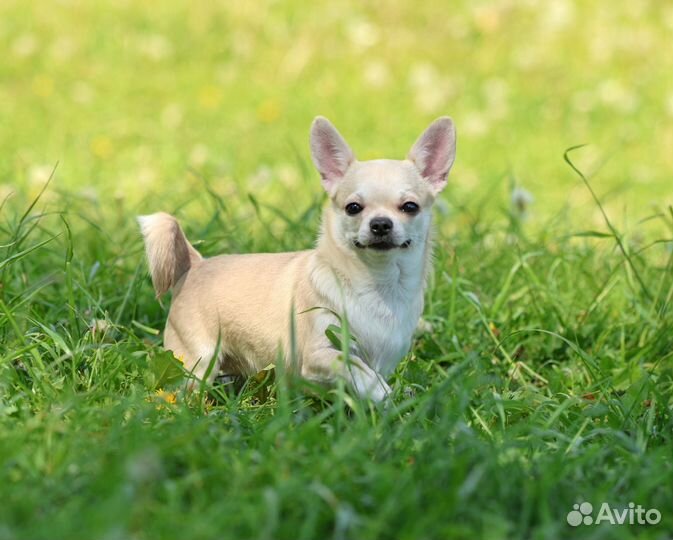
[{"x": 169, "y": 253}]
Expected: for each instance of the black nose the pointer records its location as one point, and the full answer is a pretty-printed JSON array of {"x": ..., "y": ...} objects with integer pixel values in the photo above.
[{"x": 381, "y": 226}]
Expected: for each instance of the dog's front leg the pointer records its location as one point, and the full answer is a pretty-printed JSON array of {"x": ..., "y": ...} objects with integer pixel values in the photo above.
[{"x": 326, "y": 364}]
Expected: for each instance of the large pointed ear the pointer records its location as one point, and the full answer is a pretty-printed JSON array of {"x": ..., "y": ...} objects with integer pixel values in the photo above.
[
  {"x": 331, "y": 154},
  {"x": 434, "y": 151}
]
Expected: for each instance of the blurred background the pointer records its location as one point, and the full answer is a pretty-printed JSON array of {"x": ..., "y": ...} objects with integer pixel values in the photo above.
[{"x": 144, "y": 103}]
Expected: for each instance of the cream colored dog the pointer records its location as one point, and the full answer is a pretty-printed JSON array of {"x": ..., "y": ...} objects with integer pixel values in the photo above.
[{"x": 369, "y": 266}]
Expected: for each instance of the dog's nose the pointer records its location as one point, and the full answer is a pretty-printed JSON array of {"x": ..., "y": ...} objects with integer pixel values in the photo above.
[{"x": 381, "y": 226}]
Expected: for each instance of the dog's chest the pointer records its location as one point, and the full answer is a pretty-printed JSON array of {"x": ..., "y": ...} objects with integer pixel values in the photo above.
[{"x": 383, "y": 321}]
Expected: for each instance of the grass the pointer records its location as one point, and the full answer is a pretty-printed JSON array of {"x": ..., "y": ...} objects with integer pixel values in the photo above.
[{"x": 544, "y": 378}]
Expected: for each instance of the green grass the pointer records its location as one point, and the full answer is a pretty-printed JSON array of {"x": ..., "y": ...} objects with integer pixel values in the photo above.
[{"x": 545, "y": 378}]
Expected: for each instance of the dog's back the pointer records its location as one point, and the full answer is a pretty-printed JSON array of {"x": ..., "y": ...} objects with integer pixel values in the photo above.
[
  {"x": 236, "y": 306},
  {"x": 243, "y": 301}
]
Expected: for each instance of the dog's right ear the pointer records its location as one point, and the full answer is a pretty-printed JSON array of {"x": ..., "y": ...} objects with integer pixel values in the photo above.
[
  {"x": 330, "y": 152},
  {"x": 434, "y": 152}
]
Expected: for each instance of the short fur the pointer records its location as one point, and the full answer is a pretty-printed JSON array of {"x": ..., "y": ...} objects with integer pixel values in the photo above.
[{"x": 246, "y": 303}]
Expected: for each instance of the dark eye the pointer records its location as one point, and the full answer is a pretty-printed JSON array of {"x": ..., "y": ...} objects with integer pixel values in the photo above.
[
  {"x": 353, "y": 208},
  {"x": 409, "y": 208}
]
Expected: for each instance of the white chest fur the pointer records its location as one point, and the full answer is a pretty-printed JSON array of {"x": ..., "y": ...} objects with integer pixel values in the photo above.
[
  {"x": 383, "y": 323},
  {"x": 383, "y": 307}
]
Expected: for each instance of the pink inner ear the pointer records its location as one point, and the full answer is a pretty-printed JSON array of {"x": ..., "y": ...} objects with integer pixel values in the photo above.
[
  {"x": 434, "y": 151},
  {"x": 436, "y": 154},
  {"x": 331, "y": 159},
  {"x": 331, "y": 154}
]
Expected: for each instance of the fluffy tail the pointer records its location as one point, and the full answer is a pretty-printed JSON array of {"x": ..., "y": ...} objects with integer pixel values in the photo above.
[{"x": 169, "y": 253}]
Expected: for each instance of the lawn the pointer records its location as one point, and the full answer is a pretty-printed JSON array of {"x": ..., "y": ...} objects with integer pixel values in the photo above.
[{"x": 543, "y": 378}]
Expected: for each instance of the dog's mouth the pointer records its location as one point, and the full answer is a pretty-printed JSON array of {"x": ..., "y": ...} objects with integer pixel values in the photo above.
[{"x": 382, "y": 245}]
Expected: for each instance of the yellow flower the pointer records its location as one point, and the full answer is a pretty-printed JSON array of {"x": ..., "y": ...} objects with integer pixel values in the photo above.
[
  {"x": 487, "y": 18},
  {"x": 168, "y": 397},
  {"x": 101, "y": 147},
  {"x": 43, "y": 86},
  {"x": 268, "y": 111},
  {"x": 210, "y": 97}
]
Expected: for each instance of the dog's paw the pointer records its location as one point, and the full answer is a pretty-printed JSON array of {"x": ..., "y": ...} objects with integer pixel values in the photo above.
[{"x": 375, "y": 389}]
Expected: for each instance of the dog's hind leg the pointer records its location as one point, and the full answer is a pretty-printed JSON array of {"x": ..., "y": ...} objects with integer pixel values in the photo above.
[{"x": 200, "y": 362}]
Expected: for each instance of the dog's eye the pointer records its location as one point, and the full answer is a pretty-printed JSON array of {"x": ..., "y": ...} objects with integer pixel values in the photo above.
[
  {"x": 409, "y": 208},
  {"x": 353, "y": 208}
]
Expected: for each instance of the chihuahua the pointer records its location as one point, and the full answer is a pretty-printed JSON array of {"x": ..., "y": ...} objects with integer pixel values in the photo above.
[{"x": 236, "y": 314}]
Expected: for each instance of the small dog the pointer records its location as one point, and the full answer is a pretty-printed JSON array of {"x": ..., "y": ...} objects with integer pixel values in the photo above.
[{"x": 370, "y": 266}]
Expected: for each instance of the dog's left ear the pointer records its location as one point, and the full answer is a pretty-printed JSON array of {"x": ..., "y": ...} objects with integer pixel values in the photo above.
[
  {"x": 434, "y": 151},
  {"x": 330, "y": 152}
]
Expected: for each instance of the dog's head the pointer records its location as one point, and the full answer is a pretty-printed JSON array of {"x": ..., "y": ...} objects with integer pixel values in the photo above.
[{"x": 382, "y": 205}]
